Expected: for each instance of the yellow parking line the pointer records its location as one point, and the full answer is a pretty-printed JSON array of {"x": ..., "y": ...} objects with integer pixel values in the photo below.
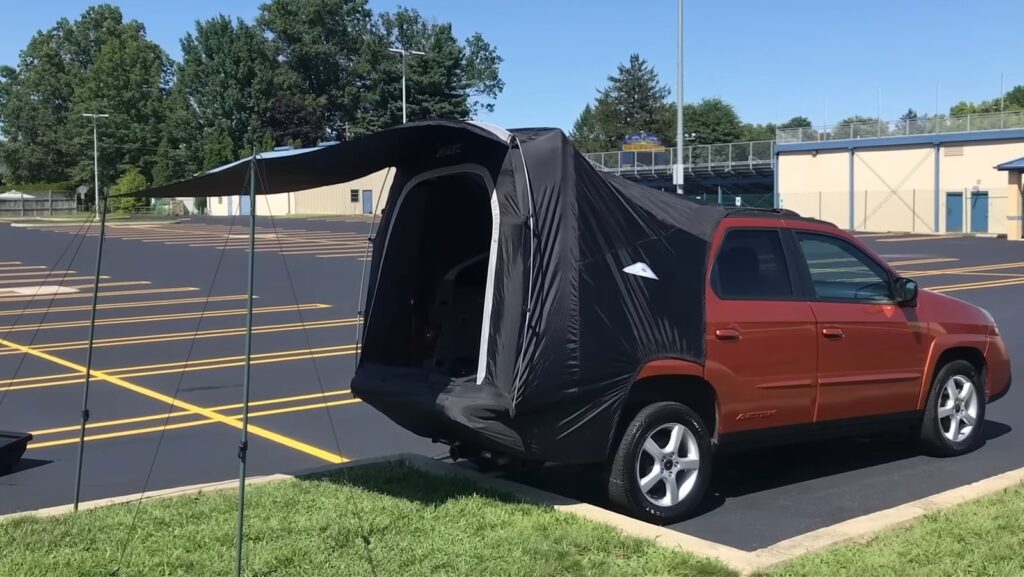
[
  {"x": 913, "y": 238},
  {"x": 125, "y": 305},
  {"x": 46, "y": 381},
  {"x": 207, "y": 421},
  {"x": 54, "y": 273},
  {"x": 173, "y": 414},
  {"x": 921, "y": 261},
  {"x": 978, "y": 285},
  {"x": 255, "y": 430},
  {"x": 103, "y": 294},
  {"x": 965, "y": 269},
  {"x": 7, "y": 268},
  {"x": 48, "y": 280},
  {"x": 166, "y": 317},
  {"x": 188, "y": 335}
]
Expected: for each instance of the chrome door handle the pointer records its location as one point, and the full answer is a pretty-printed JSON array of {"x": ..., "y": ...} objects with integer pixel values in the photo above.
[
  {"x": 832, "y": 333},
  {"x": 727, "y": 334}
]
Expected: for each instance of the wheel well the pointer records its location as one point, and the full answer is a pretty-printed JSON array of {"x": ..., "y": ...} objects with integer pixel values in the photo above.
[
  {"x": 694, "y": 392},
  {"x": 969, "y": 354}
]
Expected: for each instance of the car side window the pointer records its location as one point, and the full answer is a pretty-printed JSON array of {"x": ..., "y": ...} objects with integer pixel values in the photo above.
[
  {"x": 751, "y": 265},
  {"x": 842, "y": 272}
]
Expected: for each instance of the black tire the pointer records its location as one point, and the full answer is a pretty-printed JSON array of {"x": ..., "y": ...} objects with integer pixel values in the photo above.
[
  {"x": 935, "y": 430},
  {"x": 624, "y": 486}
]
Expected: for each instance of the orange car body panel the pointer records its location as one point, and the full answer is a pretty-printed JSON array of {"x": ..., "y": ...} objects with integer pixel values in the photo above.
[{"x": 771, "y": 365}]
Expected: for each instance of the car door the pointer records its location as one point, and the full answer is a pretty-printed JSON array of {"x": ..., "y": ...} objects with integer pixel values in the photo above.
[
  {"x": 761, "y": 335},
  {"x": 871, "y": 351}
]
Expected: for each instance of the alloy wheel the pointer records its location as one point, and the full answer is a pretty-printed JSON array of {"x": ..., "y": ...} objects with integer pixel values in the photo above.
[
  {"x": 668, "y": 464},
  {"x": 958, "y": 408}
]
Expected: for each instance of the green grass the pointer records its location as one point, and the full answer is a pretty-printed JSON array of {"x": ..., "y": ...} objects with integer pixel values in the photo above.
[
  {"x": 415, "y": 525},
  {"x": 982, "y": 538}
]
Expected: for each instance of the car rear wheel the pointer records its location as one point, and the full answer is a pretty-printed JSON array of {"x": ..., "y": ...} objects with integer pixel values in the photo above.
[
  {"x": 661, "y": 468},
  {"x": 955, "y": 413}
]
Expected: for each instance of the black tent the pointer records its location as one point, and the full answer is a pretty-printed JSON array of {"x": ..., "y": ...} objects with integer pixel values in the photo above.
[{"x": 514, "y": 290}]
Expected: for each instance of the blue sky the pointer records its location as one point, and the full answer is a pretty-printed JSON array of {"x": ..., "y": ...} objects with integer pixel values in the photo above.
[{"x": 772, "y": 60}]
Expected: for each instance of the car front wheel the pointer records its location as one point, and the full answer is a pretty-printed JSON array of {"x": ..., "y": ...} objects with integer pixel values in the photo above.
[
  {"x": 661, "y": 469},
  {"x": 955, "y": 413}
]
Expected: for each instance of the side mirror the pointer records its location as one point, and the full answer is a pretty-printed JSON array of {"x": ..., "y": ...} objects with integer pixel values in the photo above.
[{"x": 905, "y": 291}]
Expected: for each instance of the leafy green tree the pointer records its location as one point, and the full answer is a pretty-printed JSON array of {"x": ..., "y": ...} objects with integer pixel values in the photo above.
[
  {"x": 227, "y": 76},
  {"x": 633, "y": 101},
  {"x": 131, "y": 181},
  {"x": 797, "y": 122},
  {"x": 218, "y": 148},
  {"x": 294, "y": 118},
  {"x": 713, "y": 121},
  {"x": 586, "y": 133},
  {"x": 98, "y": 63},
  {"x": 450, "y": 80},
  {"x": 320, "y": 41},
  {"x": 758, "y": 131}
]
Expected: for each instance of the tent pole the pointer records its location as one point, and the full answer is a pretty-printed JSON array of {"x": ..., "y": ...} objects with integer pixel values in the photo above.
[
  {"x": 243, "y": 446},
  {"x": 102, "y": 208}
]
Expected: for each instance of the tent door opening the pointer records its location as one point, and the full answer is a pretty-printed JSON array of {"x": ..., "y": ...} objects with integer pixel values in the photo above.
[{"x": 437, "y": 274}]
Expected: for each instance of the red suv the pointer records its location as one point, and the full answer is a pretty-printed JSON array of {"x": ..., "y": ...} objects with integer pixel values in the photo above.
[
  {"x": 524, "y": 305},
  {"x": 808, "y": 333}
]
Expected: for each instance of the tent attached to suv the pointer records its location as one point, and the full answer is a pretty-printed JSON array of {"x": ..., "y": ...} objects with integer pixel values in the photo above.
[{"x": 514, "y": 290}]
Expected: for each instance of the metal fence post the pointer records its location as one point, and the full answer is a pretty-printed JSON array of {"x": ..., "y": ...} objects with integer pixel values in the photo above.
[
  {"x": 23, "y": 204},
  {"x": 968, "y": 123},
  {"x": 49, "y": 203}
]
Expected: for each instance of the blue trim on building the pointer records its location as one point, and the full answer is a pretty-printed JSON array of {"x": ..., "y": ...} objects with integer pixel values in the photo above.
[
  {"x": 1017, "y": 164},
  {"x": 938, "y": 187},
  {"x": 853, "y": 221},
  {"x": 889, "y": 141}
]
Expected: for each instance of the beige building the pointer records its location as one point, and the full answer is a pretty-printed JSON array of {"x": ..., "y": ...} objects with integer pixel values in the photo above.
[
  {"x": 915, "y": 183},
  {"x": 366, "y": 195}
]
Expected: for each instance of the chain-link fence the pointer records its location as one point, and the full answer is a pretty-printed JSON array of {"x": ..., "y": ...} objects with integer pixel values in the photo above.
[
  {"x": 694, "y": 157},
  {"x": 931, "y": 125}
]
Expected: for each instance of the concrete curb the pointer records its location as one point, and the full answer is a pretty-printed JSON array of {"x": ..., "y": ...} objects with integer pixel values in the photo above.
[{"x": 857, "y": 530}]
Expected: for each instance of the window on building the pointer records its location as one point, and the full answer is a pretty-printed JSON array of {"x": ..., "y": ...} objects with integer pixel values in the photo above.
[
  {"x": 752, "y": 266},
  {"x": 220, "y": 200},
  {"x": 353, "y": 195}
]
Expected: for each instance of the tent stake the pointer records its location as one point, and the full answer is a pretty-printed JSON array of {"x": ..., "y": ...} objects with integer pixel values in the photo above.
[
  {"x": 88, "y": 355},
  {"x": 243, "y": 446}
]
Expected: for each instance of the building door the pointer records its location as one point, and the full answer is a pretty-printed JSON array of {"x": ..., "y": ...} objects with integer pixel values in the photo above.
[
  {"x": 243, "y": 205},
  {"x": 954, "y": 212},
  {"x": 979, "y": 211},
  {"x": 367, "y": 202}
]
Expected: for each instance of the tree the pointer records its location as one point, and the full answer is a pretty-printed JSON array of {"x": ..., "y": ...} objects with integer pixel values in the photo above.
[
  {"x": 319, "y": 41},
  {"x": 293, "y": 118},
  {"x": 131, "y": 181},
  {"x": 450, "y": 80},
  {"x": 586, "y": 133},
  {"x": 633, "y": 101},
  {"x": 227, "y": 76},
  {"x": 218, "y": 148},
  {"x": 99, "y": 63},
  {"x": 713, "y": 121}
]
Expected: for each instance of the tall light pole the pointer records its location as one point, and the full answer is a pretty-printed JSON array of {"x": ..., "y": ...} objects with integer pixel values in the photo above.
[
  {"x": 678, "y": 175},
  {"x": 404, "y": 54},
  {"x": 96, "y": 158}
]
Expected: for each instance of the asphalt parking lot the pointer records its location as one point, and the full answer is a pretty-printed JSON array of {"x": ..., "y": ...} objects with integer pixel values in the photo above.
[{"x": 169, "y": 344}]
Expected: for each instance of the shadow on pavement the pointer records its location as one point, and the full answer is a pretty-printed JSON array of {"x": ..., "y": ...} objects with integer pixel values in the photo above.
[{"x": 750, "y": 472}]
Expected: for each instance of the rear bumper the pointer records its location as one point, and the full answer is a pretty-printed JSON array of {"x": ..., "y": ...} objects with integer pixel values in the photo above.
[{"x": 1000, "y": 373}]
